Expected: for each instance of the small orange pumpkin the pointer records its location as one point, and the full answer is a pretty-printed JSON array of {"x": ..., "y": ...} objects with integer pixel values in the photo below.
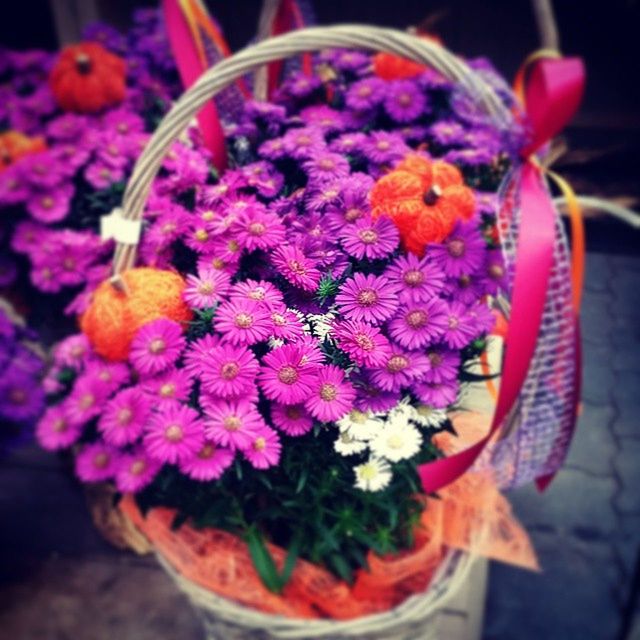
[
  {"x": 14, "y": 145},
  {"x": 114, "y": 316},
  {"x": 424, "y": 198},
  {"x": 391, "y": 67},
  {"x": 88, "y": 78}
]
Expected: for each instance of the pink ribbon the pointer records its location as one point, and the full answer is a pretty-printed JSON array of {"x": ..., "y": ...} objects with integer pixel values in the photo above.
[
  {"x": 190, "y": 68},
  {"x": 553, "y": 93}
]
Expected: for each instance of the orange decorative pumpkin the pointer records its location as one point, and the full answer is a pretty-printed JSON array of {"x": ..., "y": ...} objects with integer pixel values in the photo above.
[
  {"x": 391, "y": 67},
  {"x": 114, "y": 316},
  {"x": 88, "y": 78},
  {"x": 15, "y": 145},
  {"x": 424, "y": 198}
]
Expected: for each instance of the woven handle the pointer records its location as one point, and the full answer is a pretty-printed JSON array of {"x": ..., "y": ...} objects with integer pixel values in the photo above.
[{"x": 313, "y": 39}]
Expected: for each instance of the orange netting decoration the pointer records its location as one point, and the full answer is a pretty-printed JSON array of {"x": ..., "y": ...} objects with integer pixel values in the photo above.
[
  {"x": 14, "y": 145},
  {"x": 424, "y": 198},
  {"x": 115, "y": 315},
  {"x": 470, "y": 515}
]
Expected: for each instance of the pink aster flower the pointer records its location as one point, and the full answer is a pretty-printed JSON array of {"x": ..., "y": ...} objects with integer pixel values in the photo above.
[
  {"x": 170, "y": 385},
  {"x": 55, "y": 431},
  {"x": 332, "y": 397},
  {"x": 291, "y": 263},
  {"x": 285, "y": 324},
  {"x": 229, "y": 371},
  {"x": 262, "y": 292},
  {"x": 460, "y": 330},
  {"x": 124, "y": 417},
  {"x": 418, "y": 324},
  {"x": 86, "y": 399},
  {"x": 209, "y": 463},
  {"x": 96, "y": 462},
  {"x": 292, "y": 419},
  {"x": 197, "y": 353},
  {"x": 462, "y": 253},
  {"x": 371, "y": 239},
  {"x": 156, "y": 346},
  {"x": 101, "y": 176},
  {"x": 418, "y": 279},
  {"x": 243, "y": 322},
  {"x": 368, "y": 297},
  {"x": 302, "y": 143},
  {"x": 264, "y": 450},
  {"x": 112, "y": 374},
  {"x": 400, "y": 370},
  {"x": 365, "y": 344},
  {"x": 233, "y": 423},
  {"x": 175, "y": 433},
  {"x": 326, "y": 167},
  {"x": 258, "y": 229},
  {"x": 286, "y": 376},
  {"x": 52, "y": 205},
  {"x": 73, "y": 351},
  {"x": 204, "y": 290},
  {"x": 136, "y": 470}
]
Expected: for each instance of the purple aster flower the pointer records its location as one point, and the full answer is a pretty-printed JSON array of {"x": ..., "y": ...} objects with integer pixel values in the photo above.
[
  {"x": 264, "y": 178},
  {"x": 101, "y": 176},
  {"x": 370, "y": 397},
  {"x": 13, "y": 188},
  {"x": 462, "y": 253},
  {"x": 300, "y": 85},
  {"x": 447, "y": 133},
  {"x": 366, "y": 94},
  {"x": 385, "y": 148},
  {"x": 482, "y": 319},
  {"x": 96, "y": 462},
  {"x": 400, "y": 369},
  {"x": 40, "y": 172},
  {"x": 55, "y": 430},
  {"x": 273, "y": 149},
  {"x": 233, "y": 423},
  {"x": 209, "y": 463},
  {"x": 444, "y": 365},
  {"x": 112, "y": 375},
  {"x": 348, "y": 143},
  {"x": 419, "y": 323},
  {"x": 124, "y": 417},
  {"x": 346, "y": 59},
  {"x": 197, "y": 353},
  {"x": 404, "y": 102},
  {"x": 467, "y": 289},
  {"x": 371, "y": 239},
  {"x": 67, "y": 127},
  {"x": 86, "y": 400},
  {"x": 136, "y": 470},
  {"x": 304, "y": 143},
  {"x": 437, "y": 395},
  {"x": 243, "y": 322},
  {"x": 460, "y": 327},
  {"x": 470, "y": 157},
  {"x": 495, "y": 272},
  {"x": 325, "y": 118},
  {"x": 51, "y": 206},
  {"x": 367, "y": 297},
  {"x": 206, "y": 289},
  {"x": 70, "y": 154},
  {"x": 113, "y": 152},
  {"x": 325, "y": 166},
  {"x": 292, "y": 419},
  {"x": 264, "y": 451},
  {"x": 294, "y": 266},
  {"x": 73, "y": 351},
  {"x": 229, "y": 371},
  {"x": 174, "y": 384},
  {"x": 174, "y": 433},
  {"x": 123, "y": 122},
  {"x": 156, "y": 346},
  {"x": 351, "y": 204},
  {"x": 21, "y": 399},
  {"x": 418, "y": 279}
]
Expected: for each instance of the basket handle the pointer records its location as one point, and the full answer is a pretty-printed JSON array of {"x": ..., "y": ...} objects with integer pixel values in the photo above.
[{"x": 304, "y": 40}]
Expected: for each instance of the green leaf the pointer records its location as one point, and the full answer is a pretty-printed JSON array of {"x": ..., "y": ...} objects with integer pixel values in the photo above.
[
  {"x": 340, "y": 566},
  {"x": 263, "y": 562},
  {"x": 302, "y": 480}
]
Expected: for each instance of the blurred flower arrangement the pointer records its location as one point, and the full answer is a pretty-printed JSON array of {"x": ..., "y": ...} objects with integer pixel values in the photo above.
[
  {"x": 22, "y": 398},
  {"x": 73, "y": 124},
  {"x": 300, "y": 326}
]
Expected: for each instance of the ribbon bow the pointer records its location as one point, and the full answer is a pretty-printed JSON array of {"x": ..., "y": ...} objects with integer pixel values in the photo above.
[{"x": 551, "y": 89}]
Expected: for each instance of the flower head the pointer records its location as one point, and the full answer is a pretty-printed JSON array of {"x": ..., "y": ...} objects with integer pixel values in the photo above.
[
  {"x": 174, "y": 433},
  {"x": 331, "y": 396},
  {"x": 296, "y": 267},
  {"x": 264, "y": 450},
  {"x": 206, "y": 289},
  {"x": 373, "y": 475},
  {"x": 418, "y": 324},
  {"x": 172, "y": 384},
  {"x": 233, "y": 423},
  {"x": 367, "y": 297},
  {"x": 96, "y": 462},
  {"x": 136, "y": 470},
  {"x": 258, "y": 229},
  {"x": 292, "y": 419},
  {"x": 462, "y": 253},
  {"x": 124, "y": 417},
  {"x": 404, "y": 102},
  {"x": 396, "y": 441},
  {"x": 209, "y": 463},
  {"x": 371, "y": 239},
  {"x": 366, "y": 345},
  {"x": 55, "y": 431},
  {"x": 229, "y": 371},
  {"x": 400, "y": 369},
  {"x": 156, "y": 346},
  {"x": 243, "y": 322}
]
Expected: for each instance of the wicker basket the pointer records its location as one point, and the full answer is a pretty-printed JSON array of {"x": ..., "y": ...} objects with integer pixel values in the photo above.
[{"x": 416, "y": 617}]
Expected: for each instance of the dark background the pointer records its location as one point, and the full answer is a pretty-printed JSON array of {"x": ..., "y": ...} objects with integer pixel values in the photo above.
[{"x": 605, "y": 33}]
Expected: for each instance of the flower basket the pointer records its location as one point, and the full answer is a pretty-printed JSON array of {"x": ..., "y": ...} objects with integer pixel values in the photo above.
[{"x": 141, "y": 315}]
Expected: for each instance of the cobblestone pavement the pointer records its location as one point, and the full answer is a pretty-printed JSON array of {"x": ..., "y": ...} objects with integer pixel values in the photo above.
[
  {"x": 59, "y": 579},
  {"x": 586, "y": 527}
]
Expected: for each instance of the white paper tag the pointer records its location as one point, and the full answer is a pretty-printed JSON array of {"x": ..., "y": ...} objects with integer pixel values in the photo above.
[{"x": 116, "y": 226}]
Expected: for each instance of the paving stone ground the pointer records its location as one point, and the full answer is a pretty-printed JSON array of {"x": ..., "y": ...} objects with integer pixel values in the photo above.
[
  {"x": 586, "y": 527},
  {"x": 60, "y": 580}
]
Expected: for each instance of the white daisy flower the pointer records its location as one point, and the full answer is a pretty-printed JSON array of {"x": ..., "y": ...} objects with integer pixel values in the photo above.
[
  {"x": 397, "y": 442},
  {"x": 346, "y": 445},
  {"x": 402, "y": 412},
  {"x": 373, "y": 475},
  {"x": 427, "y": 416},
  {"x": 321, "y": 323},
  {"x": 274, "y": 343},
  {"x": 360, "y": 425}
]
